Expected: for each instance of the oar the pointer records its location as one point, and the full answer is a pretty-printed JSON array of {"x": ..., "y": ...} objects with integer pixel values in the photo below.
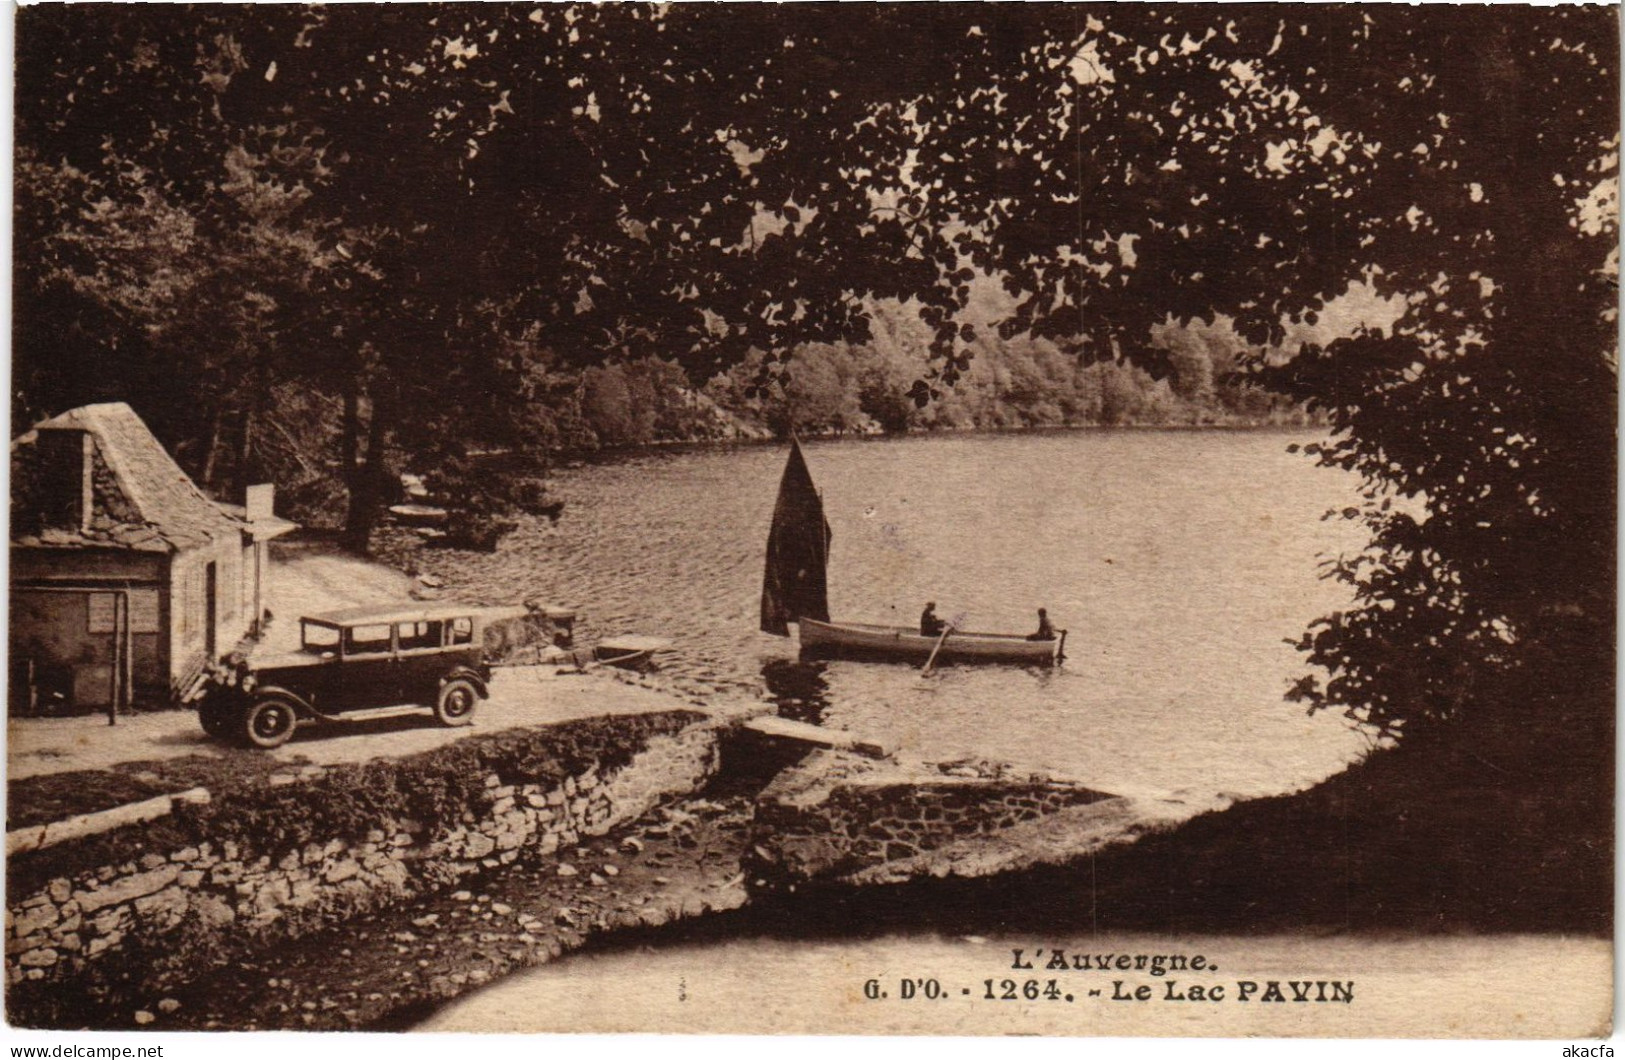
[{"x": 932, "y": 661}]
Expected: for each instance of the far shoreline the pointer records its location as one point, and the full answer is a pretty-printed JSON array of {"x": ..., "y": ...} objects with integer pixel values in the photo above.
[{"x": 569, "y": 458}]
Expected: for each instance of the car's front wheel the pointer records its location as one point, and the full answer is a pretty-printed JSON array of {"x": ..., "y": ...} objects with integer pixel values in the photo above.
[
  {"x": 215, "y": 718},
  {"x": 455, "y": 705},
  {"x": 269, "y": 722}
]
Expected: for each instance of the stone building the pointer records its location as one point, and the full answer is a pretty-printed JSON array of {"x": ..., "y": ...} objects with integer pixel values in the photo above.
[{"x": 126, "y": 580}]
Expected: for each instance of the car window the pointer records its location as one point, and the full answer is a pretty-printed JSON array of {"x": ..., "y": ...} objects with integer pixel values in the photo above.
[
  {"x": 366, "y": 640},
  {"x": 320, "y": 638},
  {"x": 462, "y": 631},
  {"x": 418, "y": 635}
]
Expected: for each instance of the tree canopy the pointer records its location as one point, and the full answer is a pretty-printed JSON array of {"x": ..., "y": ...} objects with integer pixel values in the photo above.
[{"x": 401, "y": 205}]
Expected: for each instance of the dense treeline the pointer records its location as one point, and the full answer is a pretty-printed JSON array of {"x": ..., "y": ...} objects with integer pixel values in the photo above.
[
  {"x": 1011, "y": 383},
  {"x": 226, "y": 309},
  {"x": 845, "y": 388},
  {"x": 333, "y": 243}
]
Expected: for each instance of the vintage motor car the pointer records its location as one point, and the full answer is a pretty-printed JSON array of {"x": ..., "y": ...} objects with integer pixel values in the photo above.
[{"x": 353, "y": 661}]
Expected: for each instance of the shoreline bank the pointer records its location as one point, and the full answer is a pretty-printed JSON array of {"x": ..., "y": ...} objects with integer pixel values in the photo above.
[
  {"x": 94, "y": 926},
  {"x": 437, "y": 873},
  {"x": 693, "y": 869}
]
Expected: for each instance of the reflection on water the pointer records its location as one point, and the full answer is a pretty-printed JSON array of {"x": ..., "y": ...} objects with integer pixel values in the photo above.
[
  {"x": 1182, "y": 562},
  {"x": 797, "y": 688}
]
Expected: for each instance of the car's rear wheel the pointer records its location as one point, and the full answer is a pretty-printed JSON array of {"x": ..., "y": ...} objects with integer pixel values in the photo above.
[
  {"x": 455, "y": 705},
  {"x": 269, "y": 722}
]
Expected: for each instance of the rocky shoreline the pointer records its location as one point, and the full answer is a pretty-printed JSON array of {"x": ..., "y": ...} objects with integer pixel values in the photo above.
[
  {"x": 386, "y": 969},
  {"x": 698, "y": 866},
  {"x": 763, "y": 826}
]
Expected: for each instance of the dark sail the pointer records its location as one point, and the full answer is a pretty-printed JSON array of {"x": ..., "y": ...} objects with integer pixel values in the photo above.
[{"x": 797, "y": 551}]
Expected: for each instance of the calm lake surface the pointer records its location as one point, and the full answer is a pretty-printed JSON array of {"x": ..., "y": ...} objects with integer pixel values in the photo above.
[{"x": 1180, "y": 562}]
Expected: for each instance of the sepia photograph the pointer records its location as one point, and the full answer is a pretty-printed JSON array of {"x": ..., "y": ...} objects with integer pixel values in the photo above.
[{"x": 1075, "y": 520}]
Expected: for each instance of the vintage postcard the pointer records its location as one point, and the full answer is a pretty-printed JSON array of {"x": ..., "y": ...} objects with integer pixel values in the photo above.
[{"x": 898, "y": 519}]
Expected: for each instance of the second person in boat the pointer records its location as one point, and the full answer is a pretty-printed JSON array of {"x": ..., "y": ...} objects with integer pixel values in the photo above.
[{"x": 1046, "y": 630}]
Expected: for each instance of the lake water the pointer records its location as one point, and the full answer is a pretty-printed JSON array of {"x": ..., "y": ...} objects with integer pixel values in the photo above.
[{"x": 1180, "y": 562}]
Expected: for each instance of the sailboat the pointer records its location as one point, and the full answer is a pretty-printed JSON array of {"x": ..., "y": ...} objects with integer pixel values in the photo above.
[
  {"x": 793, "y": 586},
  {"x": 795, "y": 591}
]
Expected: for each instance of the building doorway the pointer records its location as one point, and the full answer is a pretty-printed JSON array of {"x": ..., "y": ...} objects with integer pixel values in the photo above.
[{"x": 211, "y": 578}]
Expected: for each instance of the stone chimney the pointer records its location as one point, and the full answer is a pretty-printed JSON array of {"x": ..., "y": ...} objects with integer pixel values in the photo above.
[{"x": 259, "y": 502}]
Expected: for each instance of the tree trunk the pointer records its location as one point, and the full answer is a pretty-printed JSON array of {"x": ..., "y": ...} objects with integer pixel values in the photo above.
[
  {"x": 349, "y": 453},
  {"x": 363, "y": 512},
  {"x": 366, "y": 479},
  {"x": 350, "y": 444},
  {"x": 212, "y": 447},
  {"x": 245, "y": 443}
]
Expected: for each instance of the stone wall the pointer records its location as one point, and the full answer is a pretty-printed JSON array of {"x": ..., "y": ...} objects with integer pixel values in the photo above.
[
  {"x": 834, "y": 819},
  {"x": 220, "y": 895}
]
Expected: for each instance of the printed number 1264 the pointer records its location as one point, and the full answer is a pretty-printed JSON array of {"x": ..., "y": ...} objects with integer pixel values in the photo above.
[{"x": 1021, "y": 990}]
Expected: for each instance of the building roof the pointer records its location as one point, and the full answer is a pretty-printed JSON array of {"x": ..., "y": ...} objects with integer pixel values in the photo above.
[{"x": 141, "y": 498}]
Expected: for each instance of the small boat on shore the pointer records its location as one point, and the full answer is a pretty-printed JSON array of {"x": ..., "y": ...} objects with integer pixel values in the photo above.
[
  {"x": 861, "y": 640},
  {"x": 422, "y": 515},
  {"x": 794, "y": 591},
  {"x": 630, "y": 652}
]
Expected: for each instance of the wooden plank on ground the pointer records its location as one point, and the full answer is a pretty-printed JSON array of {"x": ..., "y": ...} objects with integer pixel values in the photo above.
[
  {"x": 38, "y": 837},
  {"x": 632, "y": 642},
  {"x": 817, "y": 736}
]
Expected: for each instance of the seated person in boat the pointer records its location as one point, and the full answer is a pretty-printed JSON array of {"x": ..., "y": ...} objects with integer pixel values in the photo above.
[
  {"x": 930, "y": 624},
  {"x": 1046, "y": 631}
]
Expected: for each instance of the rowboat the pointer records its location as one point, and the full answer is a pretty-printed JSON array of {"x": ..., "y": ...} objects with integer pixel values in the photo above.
[
  {"x": 630, "y": 652},
  {"x": 862, "y": 640},
  {"x": 794, "y": 591},
  {"x": 418, "y": 514}
]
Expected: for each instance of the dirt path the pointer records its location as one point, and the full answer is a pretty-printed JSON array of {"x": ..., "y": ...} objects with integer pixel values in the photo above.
[
  {"x": 308, "y": 578},
  {"x": 519, "y": 699}
]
